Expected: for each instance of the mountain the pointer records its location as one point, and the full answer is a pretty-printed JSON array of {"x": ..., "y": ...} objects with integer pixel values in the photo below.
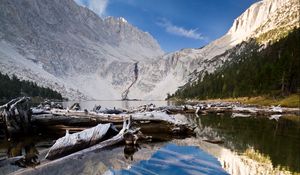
[
  {"x": 264, "y": 21},
  {"x": 69, "y": 48},
  {"x": 72, "y": 50},
  {"x": 257, "y": 71}
]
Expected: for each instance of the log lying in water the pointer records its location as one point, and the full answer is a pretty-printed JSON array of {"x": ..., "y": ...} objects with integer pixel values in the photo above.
[
  {"x": 230, "y": 107},
  {"x": 73, "y": 142},
  {"x": 106, "y": 143},
  {"x": 172, "y": 123}
]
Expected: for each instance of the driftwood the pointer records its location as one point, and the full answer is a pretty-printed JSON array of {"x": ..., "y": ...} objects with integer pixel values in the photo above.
[
  {"x": 47, "y": 105},
  {"x": 75, "y": 106},
  {"x": 98, "y": 109},
  {"x": 149, "y": 119},
  {"x": 16, "y": 116},
  {"x": 73, "y": 142},
  {"x": 132, "y": 136},
  {"x": 204, "y": 108},
  {"x": 172, "y": 124},
  {"x": 106, "y": 143},
  {"x": 148, "y": 113},
  {"x": 214, "y": 141}
]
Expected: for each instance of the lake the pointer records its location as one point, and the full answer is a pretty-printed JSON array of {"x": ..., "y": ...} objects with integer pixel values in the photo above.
[
  {"x": 117, "y": 104},
  {"x": 251, "y": 145}
]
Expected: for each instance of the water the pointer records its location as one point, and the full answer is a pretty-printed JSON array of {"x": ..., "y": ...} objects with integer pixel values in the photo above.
[
  {"x": 174, "y": 159},
  {"x": 278, "y": 141},
  {"x": 250, "y": 144},
  {"x": 89, "y": 105}
]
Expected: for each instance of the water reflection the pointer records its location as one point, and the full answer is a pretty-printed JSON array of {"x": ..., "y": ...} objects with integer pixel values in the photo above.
[
  {"x": 117, "y": 104},
  {"x": 269, "y": 142},
  {"x": 174, "y": 159},
  {"x": 279, "y": 141},
  {"x": 30, "y": 158},
  {"x": 129, "y": 151},
  {"x": 23, "y": 152}
]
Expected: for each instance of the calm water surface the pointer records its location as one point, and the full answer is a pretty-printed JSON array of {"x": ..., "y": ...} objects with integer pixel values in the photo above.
[
  {"x": 117, "y": 104},
  {"x": 273, "y": 142}
]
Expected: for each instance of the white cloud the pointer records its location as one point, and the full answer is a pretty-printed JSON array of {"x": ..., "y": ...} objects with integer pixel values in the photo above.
[
  {"x": 180, "y": 31},
  {"x": 97, "y": 6}
]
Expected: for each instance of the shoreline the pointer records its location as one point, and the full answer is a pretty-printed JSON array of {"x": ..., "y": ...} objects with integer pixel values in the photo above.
[{"x": 291, "y": 101}]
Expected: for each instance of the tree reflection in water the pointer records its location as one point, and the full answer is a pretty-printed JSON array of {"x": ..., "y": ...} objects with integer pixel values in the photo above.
[
  {"x": 129, "y": 151},
  {"x": 27, "y": 152}
]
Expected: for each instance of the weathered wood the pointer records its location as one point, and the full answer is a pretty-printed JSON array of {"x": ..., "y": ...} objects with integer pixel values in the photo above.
[
  {"x": 172, "y": 124},
  {"x": 75, "y": 106},
  {"x": 131, "y": 136},
  {"x": 16, "y": 115},
  {"x": 214, "y": 141},
  {"x": 97, "y": 109},
  {"x": 232, "y": 108},
  {"x": 106, "y": 143},
  {"x": 73, "y": 142}
]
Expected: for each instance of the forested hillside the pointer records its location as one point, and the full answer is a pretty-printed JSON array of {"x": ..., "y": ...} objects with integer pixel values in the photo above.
[
  {"x": 13, "y": 87},
  {"x": 273, "y": 70}
]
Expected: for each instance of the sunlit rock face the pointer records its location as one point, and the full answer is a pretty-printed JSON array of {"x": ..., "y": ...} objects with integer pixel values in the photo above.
[
  {"x": 263, "y": 17},
  {"x": 71, "y": 49}
]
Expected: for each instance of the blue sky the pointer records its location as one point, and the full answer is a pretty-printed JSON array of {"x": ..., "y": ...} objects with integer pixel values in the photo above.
[{"x": 175, "y": 24}]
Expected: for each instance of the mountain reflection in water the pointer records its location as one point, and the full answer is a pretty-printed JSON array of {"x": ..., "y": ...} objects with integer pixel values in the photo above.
[
  {"x": 278, "y": 141},
  {"x": 174, "y": 159}
]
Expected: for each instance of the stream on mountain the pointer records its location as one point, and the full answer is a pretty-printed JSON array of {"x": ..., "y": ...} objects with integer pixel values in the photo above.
[{"x": 252, "y": 145}]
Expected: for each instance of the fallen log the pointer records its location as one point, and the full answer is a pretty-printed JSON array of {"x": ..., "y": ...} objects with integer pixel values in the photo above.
[
  {"x": 106, "y": 143},
  {"x": 214, "y": 141},
  {"x": 139, "y": 116},
  {"x": 98, "y": 109},
  {"x": 234, "y": 115},
  {"x": 79, "y": 118},
  {"x": 47, "y": 105},
  {"x": 73, "y": 142}
]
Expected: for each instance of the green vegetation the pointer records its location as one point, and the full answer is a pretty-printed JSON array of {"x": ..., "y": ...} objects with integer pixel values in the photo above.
[
  {"x": 272, "y": 72},
  {"x": 273, "y": 35},
  {"x": 13, "y": 87},
  {"x": 287, "y": 101},
  {"x": 257, "y": 156}
]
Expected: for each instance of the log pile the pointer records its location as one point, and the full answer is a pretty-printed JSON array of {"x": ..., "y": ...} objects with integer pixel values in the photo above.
[
  {"x": 70, "y": 147},
  {"x": 18, "y": 118},
  {"x": 223, "y": 107},
  {"x": 169, "y": 124},
  {"x": 16, "y": 115}
]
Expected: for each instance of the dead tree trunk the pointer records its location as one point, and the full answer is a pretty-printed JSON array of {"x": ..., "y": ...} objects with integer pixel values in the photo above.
[{"x": 16, "y": 115}]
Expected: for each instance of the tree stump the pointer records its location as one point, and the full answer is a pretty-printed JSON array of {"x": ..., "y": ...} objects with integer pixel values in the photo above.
[{"x": 17, "y": 116}]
